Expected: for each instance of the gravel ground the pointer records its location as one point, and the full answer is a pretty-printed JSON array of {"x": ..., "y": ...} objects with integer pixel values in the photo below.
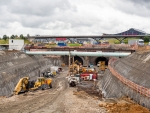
[
  {"x": 63, "y": 99},
  {"x": 60, "y": 99}
]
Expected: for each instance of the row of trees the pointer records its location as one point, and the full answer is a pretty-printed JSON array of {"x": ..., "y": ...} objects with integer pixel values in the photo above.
[{"x": 5, "y": 37}]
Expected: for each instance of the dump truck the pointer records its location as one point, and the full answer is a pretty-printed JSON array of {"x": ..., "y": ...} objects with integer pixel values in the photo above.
[{"x": 25, "y": 84}]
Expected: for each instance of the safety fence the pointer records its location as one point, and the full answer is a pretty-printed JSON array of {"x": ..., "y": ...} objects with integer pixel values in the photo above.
[{"x": 138, "y": 88}]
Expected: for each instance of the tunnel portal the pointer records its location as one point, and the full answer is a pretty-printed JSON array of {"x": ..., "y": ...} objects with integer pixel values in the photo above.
[
  {"x": 79, "y": 59},
  {"x": 101, "y": 59}
]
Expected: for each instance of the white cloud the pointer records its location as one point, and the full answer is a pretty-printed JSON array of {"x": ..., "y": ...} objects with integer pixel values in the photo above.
[
  {"x": 133, "y": 7},
  {"x": 72, "y": 17}
]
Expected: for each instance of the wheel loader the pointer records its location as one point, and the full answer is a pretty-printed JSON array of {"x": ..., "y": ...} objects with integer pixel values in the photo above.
[{"x": 25, "y": 84}]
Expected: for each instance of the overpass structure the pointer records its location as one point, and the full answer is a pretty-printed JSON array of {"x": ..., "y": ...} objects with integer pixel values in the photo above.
[{"x": 119, "y": 36}]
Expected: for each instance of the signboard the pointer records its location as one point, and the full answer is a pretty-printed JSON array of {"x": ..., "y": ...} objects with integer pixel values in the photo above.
[{"x": 61, "y": 39}]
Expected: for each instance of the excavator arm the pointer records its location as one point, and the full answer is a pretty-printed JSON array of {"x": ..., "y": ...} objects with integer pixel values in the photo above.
[
  {"x": 25, "y": 85},
  {"x": 21, "y": 85}
]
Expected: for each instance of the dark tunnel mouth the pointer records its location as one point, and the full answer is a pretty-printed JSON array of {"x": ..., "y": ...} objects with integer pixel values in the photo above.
[
  {"x": 101, "y": 59},
  {"x": 79, "y": 59}
]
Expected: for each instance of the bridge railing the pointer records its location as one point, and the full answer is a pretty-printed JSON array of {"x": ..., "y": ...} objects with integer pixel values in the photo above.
[{"x": 134, "y": 86}]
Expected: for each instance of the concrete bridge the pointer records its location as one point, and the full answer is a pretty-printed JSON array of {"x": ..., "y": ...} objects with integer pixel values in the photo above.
[
  {"x": 85, "y": 58},
  {"x": 90, "y": 49}
]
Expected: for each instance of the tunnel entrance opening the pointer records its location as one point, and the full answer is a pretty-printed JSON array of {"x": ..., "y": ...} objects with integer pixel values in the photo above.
[
  {"x": 79, "y": 59},
  {"x": 101, "y": 59}
]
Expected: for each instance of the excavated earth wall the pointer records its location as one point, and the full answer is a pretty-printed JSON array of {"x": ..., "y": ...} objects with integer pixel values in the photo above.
[
  {"x": 15, "y": 65},
  {"x": 136, "y": 68}
]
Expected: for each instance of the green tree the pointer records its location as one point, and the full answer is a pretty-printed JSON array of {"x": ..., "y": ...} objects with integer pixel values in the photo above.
[
  {"x": 146, "y": 39},
  {"x": 5, "y": 37},
  {"x": 116, "y": 42},
  {"x": 12, "y": 36},
  {"x": 16, "y": 36},
  {"x": 126, "y": 41},
  {"x": 21, "y": 36}
]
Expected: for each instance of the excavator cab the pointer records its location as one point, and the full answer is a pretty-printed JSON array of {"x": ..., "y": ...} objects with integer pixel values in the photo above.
[{"x": 43, "y": 83}]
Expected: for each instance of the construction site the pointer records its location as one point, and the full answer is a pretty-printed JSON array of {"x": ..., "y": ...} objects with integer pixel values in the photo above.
[
  {"x": 68, "y": 84},
  {"x": 75, "y": 56}
]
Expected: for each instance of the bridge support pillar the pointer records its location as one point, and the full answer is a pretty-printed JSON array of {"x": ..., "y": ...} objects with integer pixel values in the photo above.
[{"x": 87, "y": 61}]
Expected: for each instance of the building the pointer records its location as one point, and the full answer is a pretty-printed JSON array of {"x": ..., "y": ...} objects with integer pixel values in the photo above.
[
  {"x": 131, "y": 32},
  {"x": 85, "y": 40},
  {"x": 16, "y": 44}
]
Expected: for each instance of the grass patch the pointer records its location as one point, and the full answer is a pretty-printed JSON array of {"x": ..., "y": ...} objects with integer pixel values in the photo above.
[
  {"x": 73, "y": 45},
  {"x": 7, "y": 41},
  {"x": 4, "y": 41}
]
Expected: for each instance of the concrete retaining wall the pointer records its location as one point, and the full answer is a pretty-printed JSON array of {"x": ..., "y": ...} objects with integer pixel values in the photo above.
[
  {"x": 14, "y": 66},
  {"x": 116, "y": 89},
  {"x": 136, "y": 69}
]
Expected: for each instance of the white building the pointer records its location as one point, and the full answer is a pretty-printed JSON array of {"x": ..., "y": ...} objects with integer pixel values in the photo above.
[{"x": 16, "y": 44}]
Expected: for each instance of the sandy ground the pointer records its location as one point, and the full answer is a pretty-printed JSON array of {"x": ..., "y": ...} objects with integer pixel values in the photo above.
[
  {"x": 60, "y": 99},
  {"x": 122, "y": 105},
  {"x": 64, "y": 99}
]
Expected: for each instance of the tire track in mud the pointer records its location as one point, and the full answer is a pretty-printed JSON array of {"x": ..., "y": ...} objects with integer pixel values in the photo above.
[{"x": 33, "y": 101}]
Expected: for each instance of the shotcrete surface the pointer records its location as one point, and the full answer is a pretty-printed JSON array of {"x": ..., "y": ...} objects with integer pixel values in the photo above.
[
  {"x": 135, "y": 67},
  {"x": 15, "y": 65}
]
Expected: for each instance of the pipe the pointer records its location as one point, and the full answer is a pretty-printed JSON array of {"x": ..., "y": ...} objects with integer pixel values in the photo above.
[{"x": 77, "y": 53}]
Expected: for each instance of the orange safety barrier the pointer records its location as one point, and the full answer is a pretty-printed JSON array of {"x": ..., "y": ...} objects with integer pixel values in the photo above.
[{"x": 138, "y": 88}]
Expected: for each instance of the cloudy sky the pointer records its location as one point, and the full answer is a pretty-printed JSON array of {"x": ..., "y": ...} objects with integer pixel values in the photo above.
[{"x": 72, "y": 17}]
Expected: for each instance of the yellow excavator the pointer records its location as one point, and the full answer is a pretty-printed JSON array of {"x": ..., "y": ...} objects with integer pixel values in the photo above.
[{"x": 25, "y": 85}]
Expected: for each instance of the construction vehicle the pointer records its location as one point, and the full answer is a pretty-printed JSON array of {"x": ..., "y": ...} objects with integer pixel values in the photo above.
[
  {"x": 78, "y": 63},
  {"x": 88, "y": 76},
  {"x": 139, "y": 42},
  {"x": 55, "y": 70},
  {"x": 73, "y": 80},
  {"x": 74, "y": 68},
  {"x": 87, "y": 69},
  {"x": 102, "y": 65},
  {"x": 25, "y": 85},
  {"x": 48, "y": 74}
]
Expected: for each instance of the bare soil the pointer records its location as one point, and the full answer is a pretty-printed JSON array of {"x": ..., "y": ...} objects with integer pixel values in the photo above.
[
  {"x": 59, "y": 99},
  {"x": 64, "y": 99},
  {"x": 123, "y": 105}
]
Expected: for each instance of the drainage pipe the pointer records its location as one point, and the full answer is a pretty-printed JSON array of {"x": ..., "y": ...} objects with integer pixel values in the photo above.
[{"x": 77, "y": 53}]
